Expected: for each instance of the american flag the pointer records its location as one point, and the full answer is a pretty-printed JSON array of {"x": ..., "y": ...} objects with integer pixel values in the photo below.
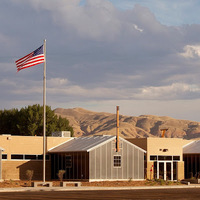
[{"x": 34, "y": 58}]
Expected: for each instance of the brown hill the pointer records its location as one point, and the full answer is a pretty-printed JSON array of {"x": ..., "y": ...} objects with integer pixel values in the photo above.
[{"x": 87, "y": 123}]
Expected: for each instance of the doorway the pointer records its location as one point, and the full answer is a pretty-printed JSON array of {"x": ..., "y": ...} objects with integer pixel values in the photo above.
[{"x": 164, "y": 170}]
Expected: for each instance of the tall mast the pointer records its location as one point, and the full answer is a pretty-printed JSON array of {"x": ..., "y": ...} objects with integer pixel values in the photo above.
[{"x": 44, "y": 115}]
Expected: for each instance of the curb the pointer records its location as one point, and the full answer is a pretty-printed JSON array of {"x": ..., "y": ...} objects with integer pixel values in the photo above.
[{"x": 85, "y": 188}]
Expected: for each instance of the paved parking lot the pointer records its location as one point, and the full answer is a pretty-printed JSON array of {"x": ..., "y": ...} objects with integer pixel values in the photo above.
[{"x": 187, "y": 193}]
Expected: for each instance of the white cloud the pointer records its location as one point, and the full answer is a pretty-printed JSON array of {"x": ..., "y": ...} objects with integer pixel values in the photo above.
[
  {"x": 97, "y": 53},
  {"x": 168, "y": 92},
  {"x": 136, "y": 27},
  {"x": 57, "y": 82},
  {"x": 191, "y": 51},
  {"x": 96, "y": 19}
]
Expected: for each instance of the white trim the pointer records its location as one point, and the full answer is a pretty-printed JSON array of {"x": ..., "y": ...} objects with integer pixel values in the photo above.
[
  {"x": 133, "y": 145},
  {"x": 189, "y": 143},
  {"x": 120, "y": 161},
  {"x": 165, "y": 169},
  {"x": 97, "y": 180},
  {"x": 120, "y": 138},
  {"x": 60, "y": 144}
]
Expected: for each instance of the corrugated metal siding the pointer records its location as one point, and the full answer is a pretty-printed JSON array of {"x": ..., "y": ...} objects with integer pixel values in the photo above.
[
  {"x": 136, "y": 158},
  {"x": 102, "y": 162},
  {"x": 124, "y": 160},
  {"x": 130, "y": 162},
  {"x": 109, "y": 160},
  {"x": 98, "y": 163},
  {"x": 141, "y": 163}
]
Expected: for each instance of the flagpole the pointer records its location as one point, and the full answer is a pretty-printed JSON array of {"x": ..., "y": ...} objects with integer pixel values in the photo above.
[{"x": 44, "y": 115}]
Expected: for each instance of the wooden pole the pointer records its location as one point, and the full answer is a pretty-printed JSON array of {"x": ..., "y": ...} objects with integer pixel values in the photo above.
[{"x": 117, "y": 134}]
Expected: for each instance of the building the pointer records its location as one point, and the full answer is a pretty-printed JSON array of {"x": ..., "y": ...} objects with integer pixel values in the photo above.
[
  {"x": 191, "y": 158},
  {"x": 95, "y": 158},
  {"x": 164, "y": 157},
  {"x": 21, "y": 153},
  {"x": 84, "y": 158}
]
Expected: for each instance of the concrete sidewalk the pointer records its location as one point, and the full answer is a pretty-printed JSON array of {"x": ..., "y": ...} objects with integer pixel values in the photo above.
[{"x": 86, "y": 188}]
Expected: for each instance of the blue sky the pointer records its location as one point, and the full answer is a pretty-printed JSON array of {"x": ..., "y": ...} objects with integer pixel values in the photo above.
[
  {"x": 172, "y": 13},
  {"x": 141, "y": 55}
]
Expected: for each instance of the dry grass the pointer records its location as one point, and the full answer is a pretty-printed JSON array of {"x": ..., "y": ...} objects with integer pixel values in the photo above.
[{"x": 13, "y": 183}]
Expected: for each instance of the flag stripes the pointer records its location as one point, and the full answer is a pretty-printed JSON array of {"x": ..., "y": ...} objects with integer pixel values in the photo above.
[{"x": 34, "y": 58}]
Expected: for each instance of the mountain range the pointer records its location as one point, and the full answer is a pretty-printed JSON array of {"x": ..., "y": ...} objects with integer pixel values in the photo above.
[{"x": 86, "y": 123}]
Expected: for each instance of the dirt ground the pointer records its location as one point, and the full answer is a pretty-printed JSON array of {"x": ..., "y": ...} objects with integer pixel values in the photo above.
[{"x": 12, "y": 183}]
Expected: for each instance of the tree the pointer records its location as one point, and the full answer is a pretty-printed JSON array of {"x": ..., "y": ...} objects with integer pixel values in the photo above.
[{"x": 29, "y": 121}]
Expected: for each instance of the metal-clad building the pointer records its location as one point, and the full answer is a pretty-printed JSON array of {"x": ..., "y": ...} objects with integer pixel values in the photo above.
[
  {"x": 95, "y": 158},
  {"x": 191, "y": 157}
]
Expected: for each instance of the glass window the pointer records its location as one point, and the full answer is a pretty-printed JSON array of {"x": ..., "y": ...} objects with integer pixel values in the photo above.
[
  {"x": 30, "y": 157},
  {"x": 40, "y": 157},
  {"x": 176, "y": 158},
  {"x": 17, "y": 156},
  {"x": 164, "y": 157},
  {"x": 117, "y": 161},
  {"x": 155, "y": 170},
  {"x": 174, "y": 170},
  {"x": 4, "y": 156},
  {"x": 153, "y": 157},
  {"x": 68, "y": 161}
]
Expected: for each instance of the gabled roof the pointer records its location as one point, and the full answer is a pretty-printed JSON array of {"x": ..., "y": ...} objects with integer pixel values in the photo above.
[
  {"x": 82, "y": 144},
  {"x": 193, "y": 147},
  {"x": 87, "y": 144}
]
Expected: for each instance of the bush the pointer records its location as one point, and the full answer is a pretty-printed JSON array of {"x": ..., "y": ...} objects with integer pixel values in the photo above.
[
  {"x": 60, "y": 174},
  {"x": 29, "y": 174}
]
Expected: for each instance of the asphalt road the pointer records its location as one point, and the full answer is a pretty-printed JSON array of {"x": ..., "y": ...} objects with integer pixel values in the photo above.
[{"x": 173, "y": 194}]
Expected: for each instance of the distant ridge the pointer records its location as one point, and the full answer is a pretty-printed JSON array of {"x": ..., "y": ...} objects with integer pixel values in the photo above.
[{"x": 87, "y": 123}]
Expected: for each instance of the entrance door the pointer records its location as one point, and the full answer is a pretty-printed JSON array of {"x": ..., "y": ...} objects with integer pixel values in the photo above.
[{"x": 165, "y": 170}]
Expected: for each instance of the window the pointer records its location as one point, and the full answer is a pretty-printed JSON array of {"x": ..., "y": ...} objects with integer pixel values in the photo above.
[
  {"x": 26, "y": 157},
  {"x": 30, "y": 157},
  {"x": 68, "y": 161},
  {"x": 40, "y": 157},
  {"x": 164, "y": 157},
  {"x": 167, "y": 158},
  {"x": 177, "y": 158},
  {"x": 4, "y": 156},
  {"x": 153, "y": 157},
  {"x": 17, "y": 156},
  {"x": 117, "y": 161}
]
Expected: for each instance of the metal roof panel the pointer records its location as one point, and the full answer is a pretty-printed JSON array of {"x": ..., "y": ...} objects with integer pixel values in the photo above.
[
  {"x": 81, "y": 144},
  {"x": 193, "y": 147}
]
